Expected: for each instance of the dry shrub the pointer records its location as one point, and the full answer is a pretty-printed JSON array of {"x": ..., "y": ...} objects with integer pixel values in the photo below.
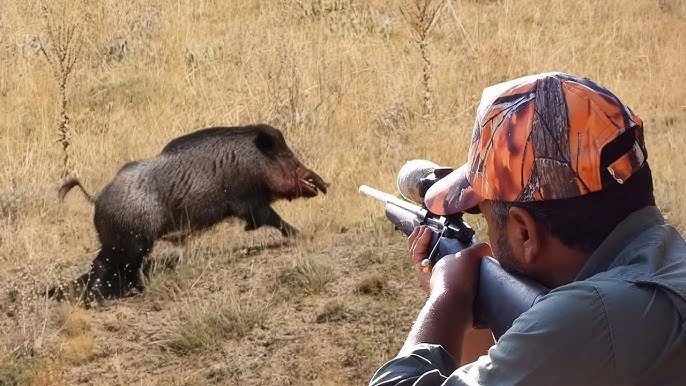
[
  {"x": 80, "y": 349},
  {"x": 375, "y": 285},
  {"x": 336, "y": 311},
  {"x": 72, "y": 321},
  {"x": 305, "y": 275}
]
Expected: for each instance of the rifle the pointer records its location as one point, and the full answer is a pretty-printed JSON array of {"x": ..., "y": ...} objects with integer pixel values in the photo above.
[{"x": 501, "y": 296}]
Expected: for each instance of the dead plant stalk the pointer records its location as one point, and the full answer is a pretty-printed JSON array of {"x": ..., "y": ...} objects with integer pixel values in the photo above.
[
  {"x": 61, "y": 53},
  {"x": 421, "y": 15}
]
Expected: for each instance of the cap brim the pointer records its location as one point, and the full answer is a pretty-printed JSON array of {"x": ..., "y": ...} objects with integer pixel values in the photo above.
[{"x": 452, "y": 194}]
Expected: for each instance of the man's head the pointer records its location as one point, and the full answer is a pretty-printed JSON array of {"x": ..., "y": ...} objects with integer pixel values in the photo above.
[{"x": 555, "y": 163}]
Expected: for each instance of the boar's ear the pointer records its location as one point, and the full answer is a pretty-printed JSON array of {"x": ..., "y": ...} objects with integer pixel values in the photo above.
[{"x": 265, "y": 143}]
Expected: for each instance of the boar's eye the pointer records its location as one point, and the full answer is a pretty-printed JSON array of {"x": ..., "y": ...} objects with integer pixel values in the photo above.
[{"x": 265, "y": 143}]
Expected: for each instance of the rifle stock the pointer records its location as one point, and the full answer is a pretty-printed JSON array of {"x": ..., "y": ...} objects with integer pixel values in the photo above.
[{"x": 501, "y": 296}]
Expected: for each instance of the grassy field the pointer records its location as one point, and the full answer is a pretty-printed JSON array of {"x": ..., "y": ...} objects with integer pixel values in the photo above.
[{"x": 346, "y": 82}]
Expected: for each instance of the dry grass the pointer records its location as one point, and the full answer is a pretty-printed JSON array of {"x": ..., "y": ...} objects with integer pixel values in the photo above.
[
  {"x": 78, "y": 346},
  {"x": 306, "y": 276},
  {"x": 343, "y": 79},
  {"x": 207, "y": 324}
]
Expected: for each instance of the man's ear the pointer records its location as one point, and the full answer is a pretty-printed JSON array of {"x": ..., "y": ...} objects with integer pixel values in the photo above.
[{"x": 526, "y": 232}]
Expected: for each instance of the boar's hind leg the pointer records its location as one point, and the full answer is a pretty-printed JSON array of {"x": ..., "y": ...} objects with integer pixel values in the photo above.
[
  {"x": 128, "y": 271},
  {"x": 113, "y": 272},
  {"x": 116, "y": 269},
  {"x": 89, "y": 286},
  {"x": 267, "y": 216}
]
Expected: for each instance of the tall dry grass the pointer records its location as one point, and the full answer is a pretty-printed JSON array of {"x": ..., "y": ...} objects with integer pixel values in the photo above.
[{"x": 341, "y": 78}]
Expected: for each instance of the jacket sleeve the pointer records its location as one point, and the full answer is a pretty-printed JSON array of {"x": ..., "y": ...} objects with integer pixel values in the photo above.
[
  {"x": 564, "y": 339},
  {"x": 427, "y": 364}
]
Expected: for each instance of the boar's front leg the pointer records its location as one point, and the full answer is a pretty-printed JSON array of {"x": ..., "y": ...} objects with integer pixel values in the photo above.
[{"x": 266, "y": 215}]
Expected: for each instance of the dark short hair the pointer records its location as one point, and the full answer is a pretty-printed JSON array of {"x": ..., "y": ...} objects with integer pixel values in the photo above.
[{"x": 584, "y": 222}]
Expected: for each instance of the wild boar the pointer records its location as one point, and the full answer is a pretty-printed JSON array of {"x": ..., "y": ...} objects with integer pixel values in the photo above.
[{"x": 196, "y": 181}]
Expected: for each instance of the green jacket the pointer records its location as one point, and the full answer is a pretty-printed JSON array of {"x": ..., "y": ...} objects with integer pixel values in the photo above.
[{"x": 621, "y": 322}]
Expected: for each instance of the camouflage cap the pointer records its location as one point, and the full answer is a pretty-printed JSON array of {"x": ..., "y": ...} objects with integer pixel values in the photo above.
[{"x": 540, "y": 137}]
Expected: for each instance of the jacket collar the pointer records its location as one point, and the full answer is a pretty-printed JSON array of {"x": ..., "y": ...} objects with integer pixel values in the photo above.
[{"x": 625, "y": 232}]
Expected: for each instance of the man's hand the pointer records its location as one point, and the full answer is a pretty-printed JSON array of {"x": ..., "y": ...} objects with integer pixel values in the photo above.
[
  {"x": 458, "y": 273},
  {"x": 451, "y": 284}
]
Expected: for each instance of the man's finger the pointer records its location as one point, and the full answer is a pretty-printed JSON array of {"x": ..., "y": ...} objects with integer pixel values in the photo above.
[
  {"x": 421, "y": 247},
  {"x": 412, "y": 237}
]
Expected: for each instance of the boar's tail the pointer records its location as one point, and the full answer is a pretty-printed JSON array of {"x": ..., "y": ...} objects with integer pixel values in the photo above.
[{"x": 69, "y": 184}]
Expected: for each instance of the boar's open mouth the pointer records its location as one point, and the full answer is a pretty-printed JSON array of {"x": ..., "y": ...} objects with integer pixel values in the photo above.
[{"x": 311, "y": 184}]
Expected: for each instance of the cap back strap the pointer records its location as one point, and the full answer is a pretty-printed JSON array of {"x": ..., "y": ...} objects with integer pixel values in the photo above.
[{"x": 627, "y": 164}]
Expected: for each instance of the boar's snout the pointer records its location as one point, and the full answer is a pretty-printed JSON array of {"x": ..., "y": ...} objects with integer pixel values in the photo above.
[{"x": 311, "y": 183}]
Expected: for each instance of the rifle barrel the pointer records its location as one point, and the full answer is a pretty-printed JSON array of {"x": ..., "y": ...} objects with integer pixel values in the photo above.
[
  {"x": 391, "y": 199},
  {"x": 379, "y": 195}
]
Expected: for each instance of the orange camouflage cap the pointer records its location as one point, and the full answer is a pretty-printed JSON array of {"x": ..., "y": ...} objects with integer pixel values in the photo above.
[{"x": 540, "y": 137}]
